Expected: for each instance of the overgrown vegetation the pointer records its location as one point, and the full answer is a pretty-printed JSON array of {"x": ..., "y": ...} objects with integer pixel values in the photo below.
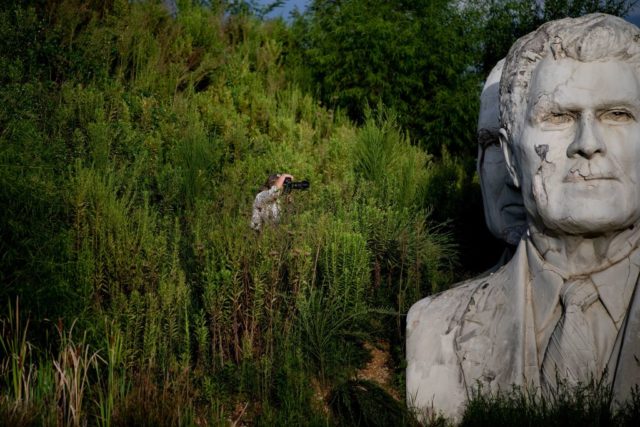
[
  {"x": 133, "y": 290},
  {"x": 425, "y": 59},
  {"x": 582, "y": 405},
  {"x": 132, "y": 145}
]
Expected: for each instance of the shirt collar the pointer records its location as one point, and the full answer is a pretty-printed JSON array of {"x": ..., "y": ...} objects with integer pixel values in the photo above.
[{"x": 547, "y": 279}]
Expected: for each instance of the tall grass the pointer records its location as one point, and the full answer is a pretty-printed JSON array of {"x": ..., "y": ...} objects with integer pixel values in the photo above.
[
  {"x": 132, "y": 145},
  {"x": 17, "y": 366},
  {"x": 72, "y": 369},
  {"x": 115, "y": 387},
  {"x": 588, "y": 404}
]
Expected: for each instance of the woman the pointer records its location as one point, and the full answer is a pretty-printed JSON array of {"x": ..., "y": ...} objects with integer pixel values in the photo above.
[{"x": 266, "y": 207}]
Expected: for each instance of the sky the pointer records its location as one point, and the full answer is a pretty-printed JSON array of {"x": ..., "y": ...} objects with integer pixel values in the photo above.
[{"x": 287, "y": 7}]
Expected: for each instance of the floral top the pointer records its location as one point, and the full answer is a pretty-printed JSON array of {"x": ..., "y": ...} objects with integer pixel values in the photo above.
[{"x": 266, "y": 208}]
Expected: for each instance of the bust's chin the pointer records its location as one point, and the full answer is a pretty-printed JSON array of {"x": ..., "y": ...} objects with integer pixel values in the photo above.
[
  {"x": 512, "y": 235},
  {"x": 586, "y": 225},
  {"x": 570, "y": 208}
]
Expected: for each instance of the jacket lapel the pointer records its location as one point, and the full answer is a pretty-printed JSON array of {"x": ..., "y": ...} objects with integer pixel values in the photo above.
[
  {"x": 625, "y": 359},
  {"x": 496, "y": 344}
]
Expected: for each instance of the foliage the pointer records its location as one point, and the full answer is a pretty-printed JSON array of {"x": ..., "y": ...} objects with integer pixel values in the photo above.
[
  {"x": 426, "y": 59},
  {"x": 252, "y": 7},
  {"x": 131, "y": 146},
  {"x": 454, "y": 194},
  {"x": 411, "y": 56},
  {"x": 507, "y": 20},
  {"x": 587, "y": 404},
  {"x": 364, "y": 403}
]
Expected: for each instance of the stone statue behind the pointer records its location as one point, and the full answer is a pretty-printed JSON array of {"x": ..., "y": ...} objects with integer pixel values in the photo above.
[
  {"x": 565, "y": 307},
  {"x": 503, "y": 206}
]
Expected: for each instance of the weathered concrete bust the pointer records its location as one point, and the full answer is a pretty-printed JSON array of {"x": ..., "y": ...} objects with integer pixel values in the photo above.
[
  {"x": 503, "y": 206},
  {"x": 566, "y": 306}
]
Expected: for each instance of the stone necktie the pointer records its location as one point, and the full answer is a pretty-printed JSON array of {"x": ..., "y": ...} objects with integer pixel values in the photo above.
[{"x": 571, "y": 354}]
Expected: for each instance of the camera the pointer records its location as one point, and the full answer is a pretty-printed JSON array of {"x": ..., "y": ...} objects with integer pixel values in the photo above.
[{"x": 295, "y": 185}]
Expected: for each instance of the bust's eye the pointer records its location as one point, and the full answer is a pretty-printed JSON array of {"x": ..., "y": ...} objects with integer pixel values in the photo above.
[
  {"x": 617, "y": 116},
  {"x": 491, "y": 141},
  {"x": 488, "y": 138},
  {"x": 558, "y": 119}
]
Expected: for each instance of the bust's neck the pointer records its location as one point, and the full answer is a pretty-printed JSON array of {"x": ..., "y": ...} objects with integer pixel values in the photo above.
[{"x": 580, "y": 255}]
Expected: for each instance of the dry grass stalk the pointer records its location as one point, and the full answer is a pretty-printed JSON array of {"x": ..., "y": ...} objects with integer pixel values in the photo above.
[{"x": 71, "y": 377}]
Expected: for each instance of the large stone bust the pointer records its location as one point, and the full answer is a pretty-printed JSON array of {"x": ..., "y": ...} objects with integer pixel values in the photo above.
[
  {"x": 566, "y": 306},
  {"x": 503, "y": 207}
]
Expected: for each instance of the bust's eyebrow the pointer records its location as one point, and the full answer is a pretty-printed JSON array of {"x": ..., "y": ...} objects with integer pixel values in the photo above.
[
  {"x": 626, "y": 104},
  {"x": 543, "y": 105}
]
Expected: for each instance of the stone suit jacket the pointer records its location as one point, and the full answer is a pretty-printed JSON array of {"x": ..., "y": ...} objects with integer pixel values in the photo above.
[{"x": 481, "y": 334}]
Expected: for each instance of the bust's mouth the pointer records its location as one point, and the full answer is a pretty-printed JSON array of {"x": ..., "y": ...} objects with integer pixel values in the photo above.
[
  {"x": 513, "y": 207},
  {"x": 576, "y": 176}
]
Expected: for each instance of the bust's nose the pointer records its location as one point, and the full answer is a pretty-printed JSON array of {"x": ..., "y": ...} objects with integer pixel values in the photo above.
[{"x": 588, "y": 140}]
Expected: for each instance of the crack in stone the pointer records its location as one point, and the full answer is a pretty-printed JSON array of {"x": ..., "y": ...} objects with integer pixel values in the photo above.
[{"x": 541, "y": 151}]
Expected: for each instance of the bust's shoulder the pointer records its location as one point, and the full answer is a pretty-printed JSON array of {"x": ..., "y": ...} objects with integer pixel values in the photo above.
[
  {"x": 450, "y": 306},
  {"x": 434, "y": 374},
  {"x": 446, "y": 303},
  {"x": 441, "y": 324}
]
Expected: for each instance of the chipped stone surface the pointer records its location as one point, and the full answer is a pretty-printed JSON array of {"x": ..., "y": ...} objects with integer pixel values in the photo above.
[{"x": 570, "y": 114}]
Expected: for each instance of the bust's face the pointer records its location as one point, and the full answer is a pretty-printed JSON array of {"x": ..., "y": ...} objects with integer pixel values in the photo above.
[
  {"x": 578, "y": 153},
  {"x": 503, "y": 208}
]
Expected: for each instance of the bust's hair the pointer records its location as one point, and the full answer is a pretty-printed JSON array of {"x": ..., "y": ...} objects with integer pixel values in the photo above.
[
  {"x": 489, "y": 96},
  {"x": 590, "y": 38}
]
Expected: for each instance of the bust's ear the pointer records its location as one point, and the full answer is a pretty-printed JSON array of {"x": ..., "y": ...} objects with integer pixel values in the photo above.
[{"x": 508, "y": 157}]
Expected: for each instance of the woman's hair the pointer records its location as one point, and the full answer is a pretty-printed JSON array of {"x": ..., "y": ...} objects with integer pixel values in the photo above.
[{"x": 271, "y": 181}]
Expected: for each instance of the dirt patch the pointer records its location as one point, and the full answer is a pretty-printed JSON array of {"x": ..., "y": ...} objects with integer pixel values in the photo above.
[
  {"x": 320, "y": 395},
  {"x": 378, "y": 369}
]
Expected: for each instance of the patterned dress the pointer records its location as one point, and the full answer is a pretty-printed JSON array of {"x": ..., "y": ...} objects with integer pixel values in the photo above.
[{"x": 266, "y": 208}]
